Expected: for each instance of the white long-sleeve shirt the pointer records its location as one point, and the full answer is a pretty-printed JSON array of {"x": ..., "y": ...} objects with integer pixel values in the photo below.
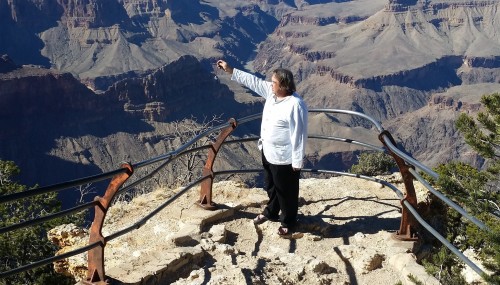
[{"x": 283, "y": 132}]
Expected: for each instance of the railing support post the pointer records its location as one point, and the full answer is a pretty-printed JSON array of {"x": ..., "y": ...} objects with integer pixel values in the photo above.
[
  {"x": 95, "y": 273},
  {"x": 206, "y": 185},
  {"x": 408, "y": 227}
]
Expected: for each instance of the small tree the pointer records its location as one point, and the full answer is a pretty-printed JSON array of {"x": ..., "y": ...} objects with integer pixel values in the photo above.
[
  {"x": 485, "y": 139},
  {"x": 27, "y": 245},
  {"x": 187, "y": 167},
  {"x": 182, "y": 169},
  {"x": 476, "y": 191},
  {"x": 373, "y": 163}
]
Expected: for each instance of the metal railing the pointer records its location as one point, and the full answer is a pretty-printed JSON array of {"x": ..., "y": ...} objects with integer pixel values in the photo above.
[{"x": 410, "y": 218}]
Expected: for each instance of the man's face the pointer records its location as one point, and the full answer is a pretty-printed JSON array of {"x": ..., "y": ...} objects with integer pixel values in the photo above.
[{"x": 276, "y": 84}]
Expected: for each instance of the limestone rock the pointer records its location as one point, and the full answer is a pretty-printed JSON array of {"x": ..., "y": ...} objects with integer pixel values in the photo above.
[
  {"x": 69, "y": 237},
  {"x": 406, "y": 265},
  {"x": 470, "y": 275},
  {"x": 364, "y": 259},
  {"x": 218, "y": 233}
]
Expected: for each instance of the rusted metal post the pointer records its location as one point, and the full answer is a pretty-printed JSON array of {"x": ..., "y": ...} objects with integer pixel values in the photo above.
[
  {"x": 408, "y": 227},
  {"x": 95, "y": 273},
  {"x": 206, "y": 185}
]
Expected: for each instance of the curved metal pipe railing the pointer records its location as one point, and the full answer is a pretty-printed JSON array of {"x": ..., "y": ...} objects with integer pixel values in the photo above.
[
  {"x": 444, "y": 241},
  {"x": 449, "y": 202},
  {"x": 369, "y": 178},
  {"x": 95, "y": 178},
  {"x": 348, "y": 112},
  {"x": 316, "y": 171},
  {"x": 410, "y": 159},
  {"x": 44, "y": 219},
  {"x": 60, "y": 186},
  {"x": 182, "y": 147},
  {"x": 143, "y": 221},
  {"x": 367, "y": 145},
  {"x": 49, "y": 260},
  {"x": 169, "y": 157}
]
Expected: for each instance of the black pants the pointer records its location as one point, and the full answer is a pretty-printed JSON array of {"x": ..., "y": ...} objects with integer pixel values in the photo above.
[{"x": 282, "y": 185}]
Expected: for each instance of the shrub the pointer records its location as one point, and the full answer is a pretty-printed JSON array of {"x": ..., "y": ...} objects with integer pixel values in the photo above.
[
  {"x": 30, "y": 244},
  {"x": 478, "y": 192},
  {"x": 373, "y": 163}
]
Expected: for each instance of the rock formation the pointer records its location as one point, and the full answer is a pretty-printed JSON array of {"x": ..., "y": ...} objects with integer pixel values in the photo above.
[
  {"x": 169, "y": 91},
  {"x": 120, "y": 70},
  {"x": 52, "y": 119},
  {"x": 32, "y": 91}
]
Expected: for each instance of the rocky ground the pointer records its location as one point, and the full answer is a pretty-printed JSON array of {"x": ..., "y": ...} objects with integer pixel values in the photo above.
[{"x": 345, "y": 236}]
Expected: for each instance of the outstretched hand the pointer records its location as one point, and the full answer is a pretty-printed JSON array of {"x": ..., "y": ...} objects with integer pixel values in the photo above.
[{"x": 224, "y": 66}]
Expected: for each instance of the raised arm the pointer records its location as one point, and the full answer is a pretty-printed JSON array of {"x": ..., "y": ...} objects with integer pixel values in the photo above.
[{"x": 259, "y": 86}]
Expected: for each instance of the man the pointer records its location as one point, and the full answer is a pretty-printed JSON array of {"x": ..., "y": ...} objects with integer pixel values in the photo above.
[{"x": 283, "y": 139}]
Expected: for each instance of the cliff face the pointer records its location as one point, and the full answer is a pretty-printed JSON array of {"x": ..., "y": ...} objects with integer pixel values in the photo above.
[
  {"x": 56, "y": 128},
  {"x": 291, "y": 19},
  {"x": 93, "y": 13},
  {"x": 432, "y": 76},
  {"x": 393, "y": 63},
  {"x": 117, "y": 37},
  {"x": 31, "y": 91},
  {"x": 444, "y": 102},
  {"x": 408, "y": 43},
  {"x": 169, "y": 92},
  {"x": 42, "y": 14},
  {"x": 391, "y": 60}
]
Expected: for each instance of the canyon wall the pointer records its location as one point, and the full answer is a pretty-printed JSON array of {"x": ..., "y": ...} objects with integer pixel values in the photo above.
[{"x": 89, "y": 83}]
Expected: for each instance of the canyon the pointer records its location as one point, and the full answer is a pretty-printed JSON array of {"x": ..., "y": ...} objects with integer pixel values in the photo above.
[{"x": 87, "y": 84}]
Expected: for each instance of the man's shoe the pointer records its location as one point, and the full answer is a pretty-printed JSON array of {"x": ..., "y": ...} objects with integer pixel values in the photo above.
[
  {"x": 284, "y": 231},
  {"x": 260, "y": 219}
]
